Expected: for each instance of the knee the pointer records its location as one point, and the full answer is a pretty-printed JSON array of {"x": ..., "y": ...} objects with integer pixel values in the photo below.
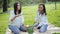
[
  {"x": 42, "y": 31},
  {"x": 16, "y": 32},
  {"x": 23, "y": 29}
]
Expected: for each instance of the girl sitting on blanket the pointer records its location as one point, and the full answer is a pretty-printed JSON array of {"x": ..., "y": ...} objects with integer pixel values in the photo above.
[
  {"x": 16, "y": 21},
  {"x": 41, "y": 21}
]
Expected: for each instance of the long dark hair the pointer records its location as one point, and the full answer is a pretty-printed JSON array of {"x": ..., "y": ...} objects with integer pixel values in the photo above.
[
  {"x": 44, "y": 9},
  {"x": 15, "y": 8}
]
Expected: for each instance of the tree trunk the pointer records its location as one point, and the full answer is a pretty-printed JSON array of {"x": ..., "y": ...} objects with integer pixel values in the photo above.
[
  {"x": 5, "y": 6},
  {"x": 46, "y": 1},
  {"x": 55, "y": 4}
]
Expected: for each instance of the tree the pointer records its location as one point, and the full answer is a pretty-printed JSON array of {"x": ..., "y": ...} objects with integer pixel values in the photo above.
[
  {"x": 1, "y": 2},
  {"x": 46, "y": 1},
  {"x": 55, "y": 4},
  {"x": 5, "y": 5}
]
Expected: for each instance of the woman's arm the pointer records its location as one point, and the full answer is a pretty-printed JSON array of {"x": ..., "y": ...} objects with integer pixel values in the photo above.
[{"x": 14, "y": 18}]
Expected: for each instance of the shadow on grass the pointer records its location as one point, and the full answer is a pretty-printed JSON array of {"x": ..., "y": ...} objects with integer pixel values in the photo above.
[{"x": 4, "y": 12}]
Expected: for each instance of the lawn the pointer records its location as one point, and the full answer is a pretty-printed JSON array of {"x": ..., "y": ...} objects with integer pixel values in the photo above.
[{"x": 29, "y": 13}]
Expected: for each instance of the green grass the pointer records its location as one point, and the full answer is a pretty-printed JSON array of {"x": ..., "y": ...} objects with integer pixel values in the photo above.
[
  {"x": 54, "y": 15},
  {"x": 56, "y": 33},
  {"x": 29, "y": 13},
  {"x": 3, "y": 22}
]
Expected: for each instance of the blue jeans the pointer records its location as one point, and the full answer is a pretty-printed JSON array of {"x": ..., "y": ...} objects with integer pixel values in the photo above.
[
  {"x": 43, "y": 28},
  {"x": 16, "y": 30}
]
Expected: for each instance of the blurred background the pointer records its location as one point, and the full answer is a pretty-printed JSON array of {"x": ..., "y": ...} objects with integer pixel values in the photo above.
[{"x": 29, "y": 9}]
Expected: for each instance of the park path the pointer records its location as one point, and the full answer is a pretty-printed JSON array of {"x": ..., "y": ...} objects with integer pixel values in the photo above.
[{"x": 51, "y": 29}]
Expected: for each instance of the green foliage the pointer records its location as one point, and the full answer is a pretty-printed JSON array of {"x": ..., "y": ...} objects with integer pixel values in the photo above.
[{"x": 30, "y": 30}]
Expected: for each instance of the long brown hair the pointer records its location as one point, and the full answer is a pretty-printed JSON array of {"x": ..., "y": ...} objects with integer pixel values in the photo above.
[
  {"x": 44, "y": 9},
  {"x": 15, "y": 8}
]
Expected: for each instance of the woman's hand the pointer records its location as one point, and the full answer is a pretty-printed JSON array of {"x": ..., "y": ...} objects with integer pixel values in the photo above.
[{"x": 14, "y": 17}]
